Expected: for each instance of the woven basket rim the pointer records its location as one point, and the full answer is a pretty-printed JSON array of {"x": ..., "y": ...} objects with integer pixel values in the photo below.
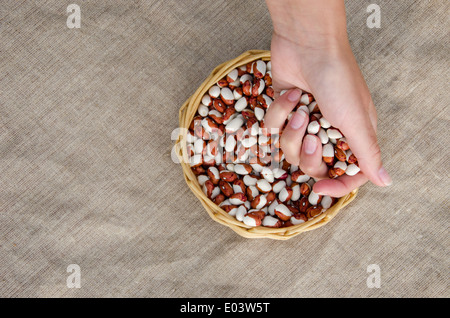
[{"x": 187, "y": 113}]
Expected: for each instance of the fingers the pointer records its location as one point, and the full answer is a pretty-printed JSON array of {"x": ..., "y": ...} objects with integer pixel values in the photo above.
[
  {"x": 362, "y": 139},
  {"x": 309, "y": 157},
  {"x": 360, "y": 134},
  {"x": 311, "y": 162},
  {"x": 340, "y": 186},
  {"x": 291, "y": 139},
  {"x": 280, "y": 108}
]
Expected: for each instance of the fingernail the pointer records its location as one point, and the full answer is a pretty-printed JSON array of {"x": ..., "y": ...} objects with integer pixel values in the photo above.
[
  {"x": 310, "y": 144},
  {"x": 384, "y": 176},
  {"x": 298, "y": 119},
  {"x": 294, "y": 95}
]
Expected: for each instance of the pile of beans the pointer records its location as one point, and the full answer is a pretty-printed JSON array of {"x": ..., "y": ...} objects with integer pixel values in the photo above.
[{"x": 239, "y": 163}]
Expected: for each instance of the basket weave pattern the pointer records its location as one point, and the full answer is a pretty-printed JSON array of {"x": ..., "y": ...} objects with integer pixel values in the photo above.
[{"x": 186, "y": 115}]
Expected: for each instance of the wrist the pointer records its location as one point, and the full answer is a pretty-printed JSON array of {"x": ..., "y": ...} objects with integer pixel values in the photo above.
[{"x": 310, "y": 23}]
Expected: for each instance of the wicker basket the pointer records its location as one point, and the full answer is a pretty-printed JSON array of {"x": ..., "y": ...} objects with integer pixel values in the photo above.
[{"x": 186, "y": 115}]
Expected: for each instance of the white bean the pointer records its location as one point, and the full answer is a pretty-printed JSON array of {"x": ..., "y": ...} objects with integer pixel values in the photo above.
[
  {"x": 241, "y": 104},
  {"x": 202, "y": 178},
  {"x": 259, "y": 113},
  {"x": 260, "y": 66},
  {"x": 313, "y": 198},
  {"x": 269, "y": 221},
  {"x": 240, "y": 213},
  {"x": 206, "y": 100},
  {"x": 250, "y": 180},
  {"x": 267, "y": 174},
  {"x": 214, "y": 91},
  {"x": 328, "y": 150},
  {"x": 326, "y": 201},
  {"x": 313, "y": 127},
  {"x": 341, "y": 165},
  {"x": 323, "y": 136},
  {"x": 230, "y": 143},
  {"x": 334, "y": 133},
  {"x": 295, "y": 192},
  {"x": 234, "y": 125},
  {"x": 278, "y": 186},
  {"x": 263, "y": 185},
  {"x": 324, "y": 123},
  {"x": 352, "y": 169}
]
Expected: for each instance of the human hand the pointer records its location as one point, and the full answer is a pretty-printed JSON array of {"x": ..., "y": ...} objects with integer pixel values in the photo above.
[{"x": 324, "y": 65}]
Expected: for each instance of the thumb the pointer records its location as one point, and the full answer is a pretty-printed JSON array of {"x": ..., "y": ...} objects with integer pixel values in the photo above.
[{"x": 362, "y": 139}]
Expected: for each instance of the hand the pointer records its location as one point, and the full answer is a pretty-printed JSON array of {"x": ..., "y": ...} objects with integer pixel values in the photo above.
[{"x": 327, "y": 69}]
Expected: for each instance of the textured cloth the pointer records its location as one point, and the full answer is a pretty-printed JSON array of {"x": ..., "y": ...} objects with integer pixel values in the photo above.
[{"x": 86, "y": 176}]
